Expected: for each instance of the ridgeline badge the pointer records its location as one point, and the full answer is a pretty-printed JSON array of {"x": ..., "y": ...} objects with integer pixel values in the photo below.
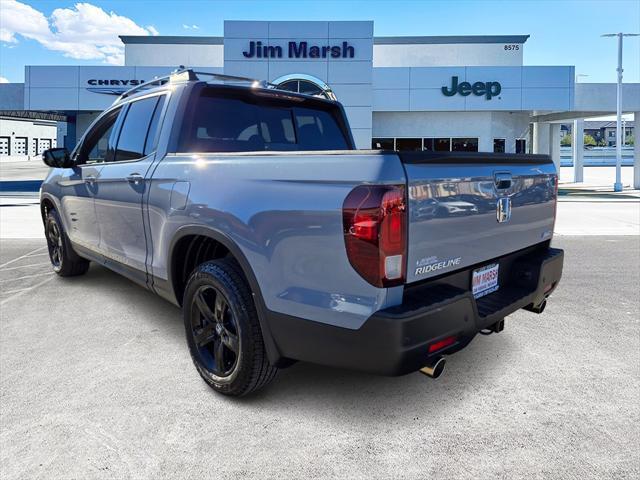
[
  {"x": 431, "y": 264},
  {"x": 488, "y": 89}
]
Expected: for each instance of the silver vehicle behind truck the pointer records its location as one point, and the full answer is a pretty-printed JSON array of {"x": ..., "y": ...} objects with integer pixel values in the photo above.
[{"x": 251, "y": 209}]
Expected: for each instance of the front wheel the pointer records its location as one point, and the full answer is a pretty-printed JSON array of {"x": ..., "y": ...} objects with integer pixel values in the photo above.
[
  {"x": 223, "y": 331},
  {"x": 64, "y": 260}
]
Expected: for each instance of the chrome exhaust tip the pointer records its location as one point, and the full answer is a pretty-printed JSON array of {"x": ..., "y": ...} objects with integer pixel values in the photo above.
[{"x": 435, "y": 368}]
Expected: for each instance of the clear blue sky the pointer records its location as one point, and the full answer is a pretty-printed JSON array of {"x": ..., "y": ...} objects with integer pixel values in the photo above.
[{"x": 562, "y": 32}]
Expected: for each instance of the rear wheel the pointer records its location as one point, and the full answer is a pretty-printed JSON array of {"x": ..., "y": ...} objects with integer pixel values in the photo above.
[
  {"x": 64, "y": 260},
  {"x": 223, "y": 331}
]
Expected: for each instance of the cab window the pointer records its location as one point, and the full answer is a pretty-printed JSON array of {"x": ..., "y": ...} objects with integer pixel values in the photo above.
[
  {"x": 96, "y": 147},
  {"x": 138, "y": 132}
]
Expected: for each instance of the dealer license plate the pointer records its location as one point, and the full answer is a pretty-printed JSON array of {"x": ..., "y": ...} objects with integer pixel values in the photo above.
[{"x": 485, "y": 280}]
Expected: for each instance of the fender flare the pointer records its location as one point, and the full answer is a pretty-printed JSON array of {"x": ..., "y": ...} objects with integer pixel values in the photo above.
[{"x": 273, "y": 353}]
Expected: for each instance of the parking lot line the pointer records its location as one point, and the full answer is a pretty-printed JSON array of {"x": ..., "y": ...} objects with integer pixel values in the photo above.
[
  {"x": 25, "y": 266},
  {"x": 21, "y": 257},
  {"x": 26, "y": 276},
  {"x": 26, "y": 290}
]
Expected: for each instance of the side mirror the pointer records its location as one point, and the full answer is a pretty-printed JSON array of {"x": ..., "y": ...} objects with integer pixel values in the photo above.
[{"x": 57, "y": 158}]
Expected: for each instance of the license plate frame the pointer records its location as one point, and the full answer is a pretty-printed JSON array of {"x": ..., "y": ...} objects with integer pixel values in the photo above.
[{"x": 485, "y": 280}]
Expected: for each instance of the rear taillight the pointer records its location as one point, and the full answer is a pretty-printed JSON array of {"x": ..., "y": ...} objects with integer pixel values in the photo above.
[{"x": 375, "y": 233}]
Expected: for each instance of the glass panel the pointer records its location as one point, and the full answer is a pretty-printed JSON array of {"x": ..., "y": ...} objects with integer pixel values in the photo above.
[
  {"x": 521, "y": 145},
  {"x": 442, "y": 144},
  {"x": 135, "y": 128},
  {"x": 237, "y": 124},
  {"x": 290, "y": 86},
  {"x": 498, "y": 145},
  {"x": 464, "y": 145},
  {"x": 413, "y": 144},
  {"x": 152, "y": 136},
  {"x": 309, "y": 88},
  {"x": 428, "y": 144},
  {"x": 95, "y": 147},
  {"x": 382, "y": 144},
  {"x": 321, "y": 133}
]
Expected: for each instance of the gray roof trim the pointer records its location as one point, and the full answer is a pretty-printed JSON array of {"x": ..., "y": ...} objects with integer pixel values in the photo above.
[
  {"x": 448, "y": 39},
  {"x": 171, "y": 40}
]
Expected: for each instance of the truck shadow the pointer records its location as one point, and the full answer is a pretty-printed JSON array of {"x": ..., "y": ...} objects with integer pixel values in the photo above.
[
  {"x": 349, "y": 394},
  {"x": 338, "y": 395}
]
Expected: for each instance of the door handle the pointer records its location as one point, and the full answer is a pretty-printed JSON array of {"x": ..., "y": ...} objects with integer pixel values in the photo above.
[
  {"x": 135, "y": 178},
  {"x": 90, "y": 179}
]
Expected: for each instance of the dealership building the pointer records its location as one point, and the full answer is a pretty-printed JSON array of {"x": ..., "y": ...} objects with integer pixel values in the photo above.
[{"x": 438, "y": 93}]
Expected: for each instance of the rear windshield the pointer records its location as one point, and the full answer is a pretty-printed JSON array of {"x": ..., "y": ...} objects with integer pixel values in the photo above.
[{"x": 230, "y": 122}]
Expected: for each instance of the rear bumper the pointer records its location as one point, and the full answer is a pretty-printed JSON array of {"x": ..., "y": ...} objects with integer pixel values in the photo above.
[{"x": 395, "y": 341}]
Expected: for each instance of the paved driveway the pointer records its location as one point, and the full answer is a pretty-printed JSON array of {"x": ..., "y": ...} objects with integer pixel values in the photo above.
[{"x": 96, "y": 382}]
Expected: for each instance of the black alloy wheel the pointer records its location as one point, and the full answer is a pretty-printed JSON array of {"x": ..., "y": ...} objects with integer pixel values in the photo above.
[
  {"x": 223, "y": 329},
  {"x": 54, "y": 242},
  {"x": 64, "y": 260},
  {"x": 215, "y": 331}
]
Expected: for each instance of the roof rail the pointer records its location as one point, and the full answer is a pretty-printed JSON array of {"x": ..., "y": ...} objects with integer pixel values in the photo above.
[
  {"x": 234, "y": 78},
  {"x": 182, "y": 74}
]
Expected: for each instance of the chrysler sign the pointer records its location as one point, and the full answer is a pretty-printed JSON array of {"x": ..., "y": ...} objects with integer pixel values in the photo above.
[
  {"x": 112, "y": 86},
  {"x": 479, "y": 89}
]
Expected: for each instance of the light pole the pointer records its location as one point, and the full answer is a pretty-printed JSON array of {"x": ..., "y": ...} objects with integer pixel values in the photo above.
[{"x": 617, "y": 187}]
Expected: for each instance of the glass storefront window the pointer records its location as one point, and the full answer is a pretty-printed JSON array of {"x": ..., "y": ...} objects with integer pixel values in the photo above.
[
  {"x": 442, "y": 144},
  {"x": 412, "y": 144},
  {"x": 308, "y": 86},
  {"x": 521, "y": 145},
  {"x": 464, "y": 144},
  {"x": 499, "y": 145},
  {"x": 427, "y": 144},
  {"x": 382, "y": 144}
]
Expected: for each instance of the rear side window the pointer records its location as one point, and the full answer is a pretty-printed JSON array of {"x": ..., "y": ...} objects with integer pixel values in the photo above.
[
  {"x": 228, "y": 123},
  {"x": 139, "y": 127}
]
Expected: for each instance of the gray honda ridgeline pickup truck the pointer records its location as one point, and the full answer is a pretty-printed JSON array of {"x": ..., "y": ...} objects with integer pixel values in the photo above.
[{"x": 251, "y": 209}]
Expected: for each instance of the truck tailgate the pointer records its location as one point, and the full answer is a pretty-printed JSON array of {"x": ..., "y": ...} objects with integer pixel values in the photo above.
[{"x": 468, "y": 208}]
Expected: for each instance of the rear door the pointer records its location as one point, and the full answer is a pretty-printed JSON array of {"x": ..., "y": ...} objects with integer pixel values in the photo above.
[
  {"x": 78, "y": 184},
  {"x": 466, "y": 209},
  {"x": 123, "y": 182}
]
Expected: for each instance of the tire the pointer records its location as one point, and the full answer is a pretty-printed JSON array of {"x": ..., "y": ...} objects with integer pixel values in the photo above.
[
  {"x": 223, "y": 331},
  {"x": 65, "y": 261}
]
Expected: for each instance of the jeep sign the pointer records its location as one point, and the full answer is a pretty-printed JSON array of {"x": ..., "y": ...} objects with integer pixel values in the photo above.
[{"x": 488, "y": 89}]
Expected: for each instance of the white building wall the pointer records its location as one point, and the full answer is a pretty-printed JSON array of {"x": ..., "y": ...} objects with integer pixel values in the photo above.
[
  {"x": 39, "y": 134},
  {"x": 393, "y": 55},
  {"x": 522, "y": 88},
  {"x": 173, "y": 55},
  {"x": 446, "y": 55}
]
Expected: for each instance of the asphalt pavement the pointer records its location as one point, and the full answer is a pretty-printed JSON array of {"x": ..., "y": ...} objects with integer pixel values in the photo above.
[{"x": 96, "y": 382}]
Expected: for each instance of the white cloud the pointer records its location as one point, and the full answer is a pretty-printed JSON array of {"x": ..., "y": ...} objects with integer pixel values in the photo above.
[
  {"x": 190, "y": 27},
  {"x": 84, "y": 32},
  {"x": 4, "y": 80}
]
